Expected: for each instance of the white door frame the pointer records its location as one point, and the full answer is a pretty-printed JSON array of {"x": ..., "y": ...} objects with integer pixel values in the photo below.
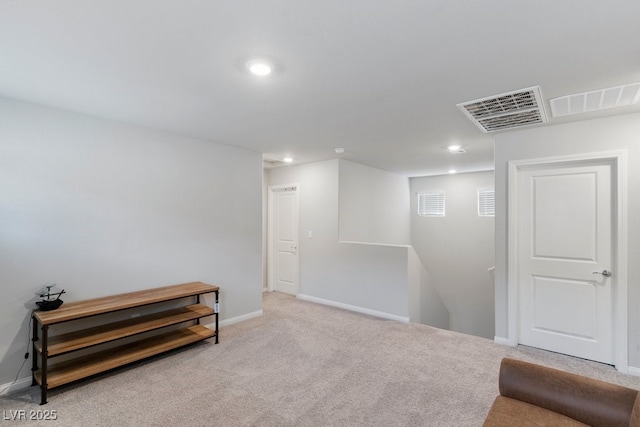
[
  {"x": 618, "y": 162},
  {"x": 270, "y": 229}
]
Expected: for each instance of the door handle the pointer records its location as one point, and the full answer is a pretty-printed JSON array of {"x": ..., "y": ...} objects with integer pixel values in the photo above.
[
  {"x": 605, "y": 273},
  {"x": 294, "y": 248}
]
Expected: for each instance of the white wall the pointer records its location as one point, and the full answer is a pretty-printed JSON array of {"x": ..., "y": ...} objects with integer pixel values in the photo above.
[
  {"x": 612, "y": 133},
  {"x": 367, "y": 276},
  {"x": 425, "y": 304},
  {"x": 374, "y": 205},
  {"x": 458, "y": 249},
  {"x": 102, "y": 208}
]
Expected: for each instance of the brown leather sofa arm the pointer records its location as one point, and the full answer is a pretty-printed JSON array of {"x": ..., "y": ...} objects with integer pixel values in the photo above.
[{"x": 590, "y": 401}]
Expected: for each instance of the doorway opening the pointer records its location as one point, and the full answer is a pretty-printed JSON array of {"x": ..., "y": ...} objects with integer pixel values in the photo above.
[{"x": 282, "y": 239}]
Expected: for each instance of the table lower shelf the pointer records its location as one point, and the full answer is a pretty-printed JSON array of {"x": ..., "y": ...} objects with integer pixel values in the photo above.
[
  {"x": 86, "y": 366},
  {"x": 77, "y": 340}
]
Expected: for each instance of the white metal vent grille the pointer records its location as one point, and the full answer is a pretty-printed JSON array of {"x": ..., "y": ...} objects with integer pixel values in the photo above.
[
  {"x": 506, "y": 111},
  {"x": 618, "y": 96},
  {"x": 486, "y": 203},
  {"x": 431, "y": 203}
]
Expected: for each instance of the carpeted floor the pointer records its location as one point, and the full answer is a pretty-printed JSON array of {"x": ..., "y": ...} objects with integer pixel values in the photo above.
[{"x": 303, "y": 364}]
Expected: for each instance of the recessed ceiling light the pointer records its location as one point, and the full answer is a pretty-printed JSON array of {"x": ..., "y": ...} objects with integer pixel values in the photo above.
[
  {"x": 260, "y": 67},
  {"x": 287, "y": 160},
  {"x": 456, "y": 149},
  {"x": 452, "y": 171},
  {"x": 339, "y": 150}
]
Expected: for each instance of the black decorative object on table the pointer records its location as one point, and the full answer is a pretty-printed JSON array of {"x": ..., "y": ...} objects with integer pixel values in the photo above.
[{"x": 49, "y": 304}]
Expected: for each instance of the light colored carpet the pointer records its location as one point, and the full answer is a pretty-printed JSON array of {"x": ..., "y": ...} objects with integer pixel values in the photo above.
[{"x": 303, "y": 364}]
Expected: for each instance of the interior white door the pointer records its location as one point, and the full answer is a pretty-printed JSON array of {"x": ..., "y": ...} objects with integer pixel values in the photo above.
[
  {"x": 565, "y": 258},
  {"x": 284, "y": 225}
]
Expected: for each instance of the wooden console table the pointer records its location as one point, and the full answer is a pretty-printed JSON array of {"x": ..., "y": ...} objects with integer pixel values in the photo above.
[{"x": 45, "y": 347}]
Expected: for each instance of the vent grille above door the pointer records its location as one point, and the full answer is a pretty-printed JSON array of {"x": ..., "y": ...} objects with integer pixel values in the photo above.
[
  {"x": 506, "y": 111},
  {"x": 595, "y": 100}
]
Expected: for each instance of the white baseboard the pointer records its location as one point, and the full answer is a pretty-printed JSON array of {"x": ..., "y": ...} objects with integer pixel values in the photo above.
[
  {"x": 241, "y": 318},
  {"x": 13, "y": 386},
  {"x": 355, "y": 308},
  {"x": 632, "y": 370},
  {"x": 503, "y": 341}
]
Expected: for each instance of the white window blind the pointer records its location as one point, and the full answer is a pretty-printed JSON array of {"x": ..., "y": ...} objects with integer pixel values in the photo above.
[
  {"x": 486, "y": 203},
  {"x": 431, "y": 203}
]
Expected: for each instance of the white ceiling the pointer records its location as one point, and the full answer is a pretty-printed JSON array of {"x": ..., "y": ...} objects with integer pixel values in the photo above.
[{"x": 381, "y": 78}]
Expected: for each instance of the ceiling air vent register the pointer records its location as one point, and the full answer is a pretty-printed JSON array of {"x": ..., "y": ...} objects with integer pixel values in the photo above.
[{"x": 506, "y": 111}]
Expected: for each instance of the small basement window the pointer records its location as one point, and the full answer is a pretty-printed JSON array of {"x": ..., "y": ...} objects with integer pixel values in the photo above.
[
  {"x": 486, "y": 203},
  {"x": 431, "y": 203}
]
